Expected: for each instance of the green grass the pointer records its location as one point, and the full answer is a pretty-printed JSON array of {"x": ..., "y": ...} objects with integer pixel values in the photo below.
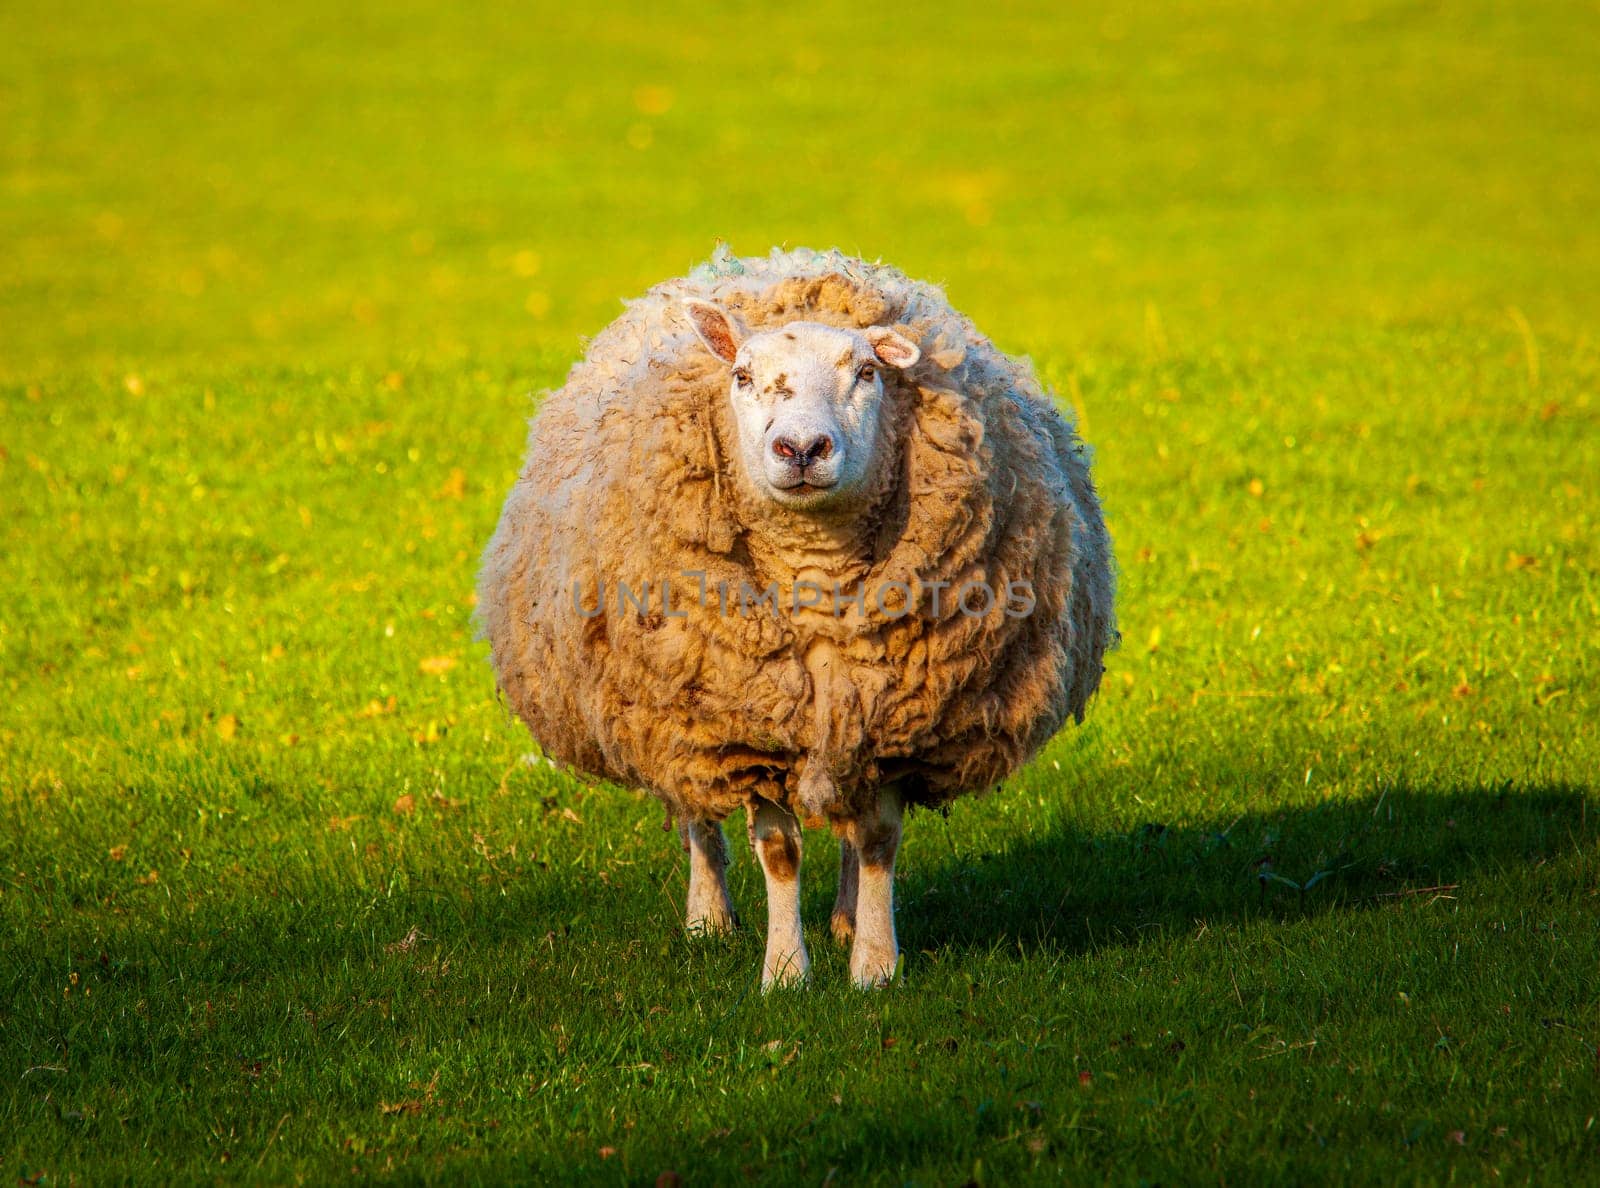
[{"x": 1313, "y": 895}]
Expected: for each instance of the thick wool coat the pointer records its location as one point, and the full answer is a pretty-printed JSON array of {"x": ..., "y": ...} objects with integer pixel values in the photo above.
[{"x": 707, "y": 690}]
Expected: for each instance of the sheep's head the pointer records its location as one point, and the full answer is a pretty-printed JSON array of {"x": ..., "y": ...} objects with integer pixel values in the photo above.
[{"x": 806, "y": 400}]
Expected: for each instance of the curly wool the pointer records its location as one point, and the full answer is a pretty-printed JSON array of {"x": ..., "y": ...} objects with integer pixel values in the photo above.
[{"x": 629, "y": 478}]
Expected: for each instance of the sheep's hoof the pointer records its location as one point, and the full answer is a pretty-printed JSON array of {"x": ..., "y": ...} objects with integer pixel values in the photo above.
[
  {"x": 794, "y": 970},
  {"x": 712, "y": 923},
  {"x": 871, "y": 970},
  {"x": 843, "y": 927}
]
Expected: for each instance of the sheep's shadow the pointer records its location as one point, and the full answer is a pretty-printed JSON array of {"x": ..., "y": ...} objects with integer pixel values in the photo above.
[
  {"x": 1063, "y": 891},
  {"x": 1074, "y": 891}
]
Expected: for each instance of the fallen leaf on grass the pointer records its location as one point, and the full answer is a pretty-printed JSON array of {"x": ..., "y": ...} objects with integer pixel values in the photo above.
[
  {"x": 405, "y": 804},
  {"x": 776, "y": 1056},
  {"x": 607, "y": 1152},
  {"x": 227, "y": 727},
  {"x": 411, "y": 1105},
  {"x": 454, "y": 487},
  {"x": 149, "y": 880},
  {"x": 118, "y": 853},
  {"x": 406, "y": 943},
  {"x": 437, "y": 665}
]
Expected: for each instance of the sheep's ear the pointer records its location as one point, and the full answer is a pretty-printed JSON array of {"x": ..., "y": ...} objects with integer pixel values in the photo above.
[
  {"x": 896, "y": 350},
  {"x": 716, "y": 329}
]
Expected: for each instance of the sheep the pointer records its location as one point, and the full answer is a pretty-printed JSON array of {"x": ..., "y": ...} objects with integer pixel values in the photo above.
[{"x": 794, "y": 537}]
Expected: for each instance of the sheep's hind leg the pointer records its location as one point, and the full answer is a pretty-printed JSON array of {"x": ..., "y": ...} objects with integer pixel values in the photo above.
[
  {"x": 777, "y": 845},
  {"x": 710, "y": 910},
  {"x": 843, "y": 922},
  {"x": 876, "y": 838}
]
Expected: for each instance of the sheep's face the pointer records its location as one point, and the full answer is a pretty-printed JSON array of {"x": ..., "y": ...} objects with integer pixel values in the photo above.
[{"x": 805, "y": 398}]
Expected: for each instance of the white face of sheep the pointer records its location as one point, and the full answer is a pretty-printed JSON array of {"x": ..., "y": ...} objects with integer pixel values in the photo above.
[{"x": 805, "y": 398}]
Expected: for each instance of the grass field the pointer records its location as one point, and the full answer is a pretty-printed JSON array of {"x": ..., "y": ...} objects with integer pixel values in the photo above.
[{"x": 1313, "y": 896}]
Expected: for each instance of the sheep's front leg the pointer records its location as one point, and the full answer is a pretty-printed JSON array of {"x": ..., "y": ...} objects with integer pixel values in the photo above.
[
  {"x": 843, "y": 922},
  {"x": 710, "y": 909},
  {"x": 777, "y": 844},
  {"x": 876, "y": 838}
]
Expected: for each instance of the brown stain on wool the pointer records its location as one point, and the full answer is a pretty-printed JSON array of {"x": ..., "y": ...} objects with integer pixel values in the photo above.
[
  {"x": 877, "y": 842},
  {"x": 780, "y": 856}
]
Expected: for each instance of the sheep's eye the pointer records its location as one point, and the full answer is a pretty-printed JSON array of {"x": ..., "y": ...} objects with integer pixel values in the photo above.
[
  {"x": 865, "y": 373},
  {"x": 741, "y": 376}
]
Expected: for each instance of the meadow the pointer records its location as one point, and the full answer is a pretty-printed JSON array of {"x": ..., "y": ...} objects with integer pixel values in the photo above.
[{"x": 1313, "y": 895}]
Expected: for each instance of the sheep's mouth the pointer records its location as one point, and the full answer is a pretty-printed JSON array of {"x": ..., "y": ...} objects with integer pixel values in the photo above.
[
  {"x": 802, "y": 492},
  {"x": 804, "y": 487}
]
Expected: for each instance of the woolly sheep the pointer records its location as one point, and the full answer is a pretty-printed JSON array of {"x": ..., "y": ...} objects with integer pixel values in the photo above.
[{"x": 795, "y": 537}]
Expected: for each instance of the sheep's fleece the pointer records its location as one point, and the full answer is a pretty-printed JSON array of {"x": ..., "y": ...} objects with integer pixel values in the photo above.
[{"x": 630, "y": 477}]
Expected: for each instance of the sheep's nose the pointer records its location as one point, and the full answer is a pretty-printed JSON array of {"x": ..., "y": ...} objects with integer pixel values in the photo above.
[{"x": 796, "y": 454}]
